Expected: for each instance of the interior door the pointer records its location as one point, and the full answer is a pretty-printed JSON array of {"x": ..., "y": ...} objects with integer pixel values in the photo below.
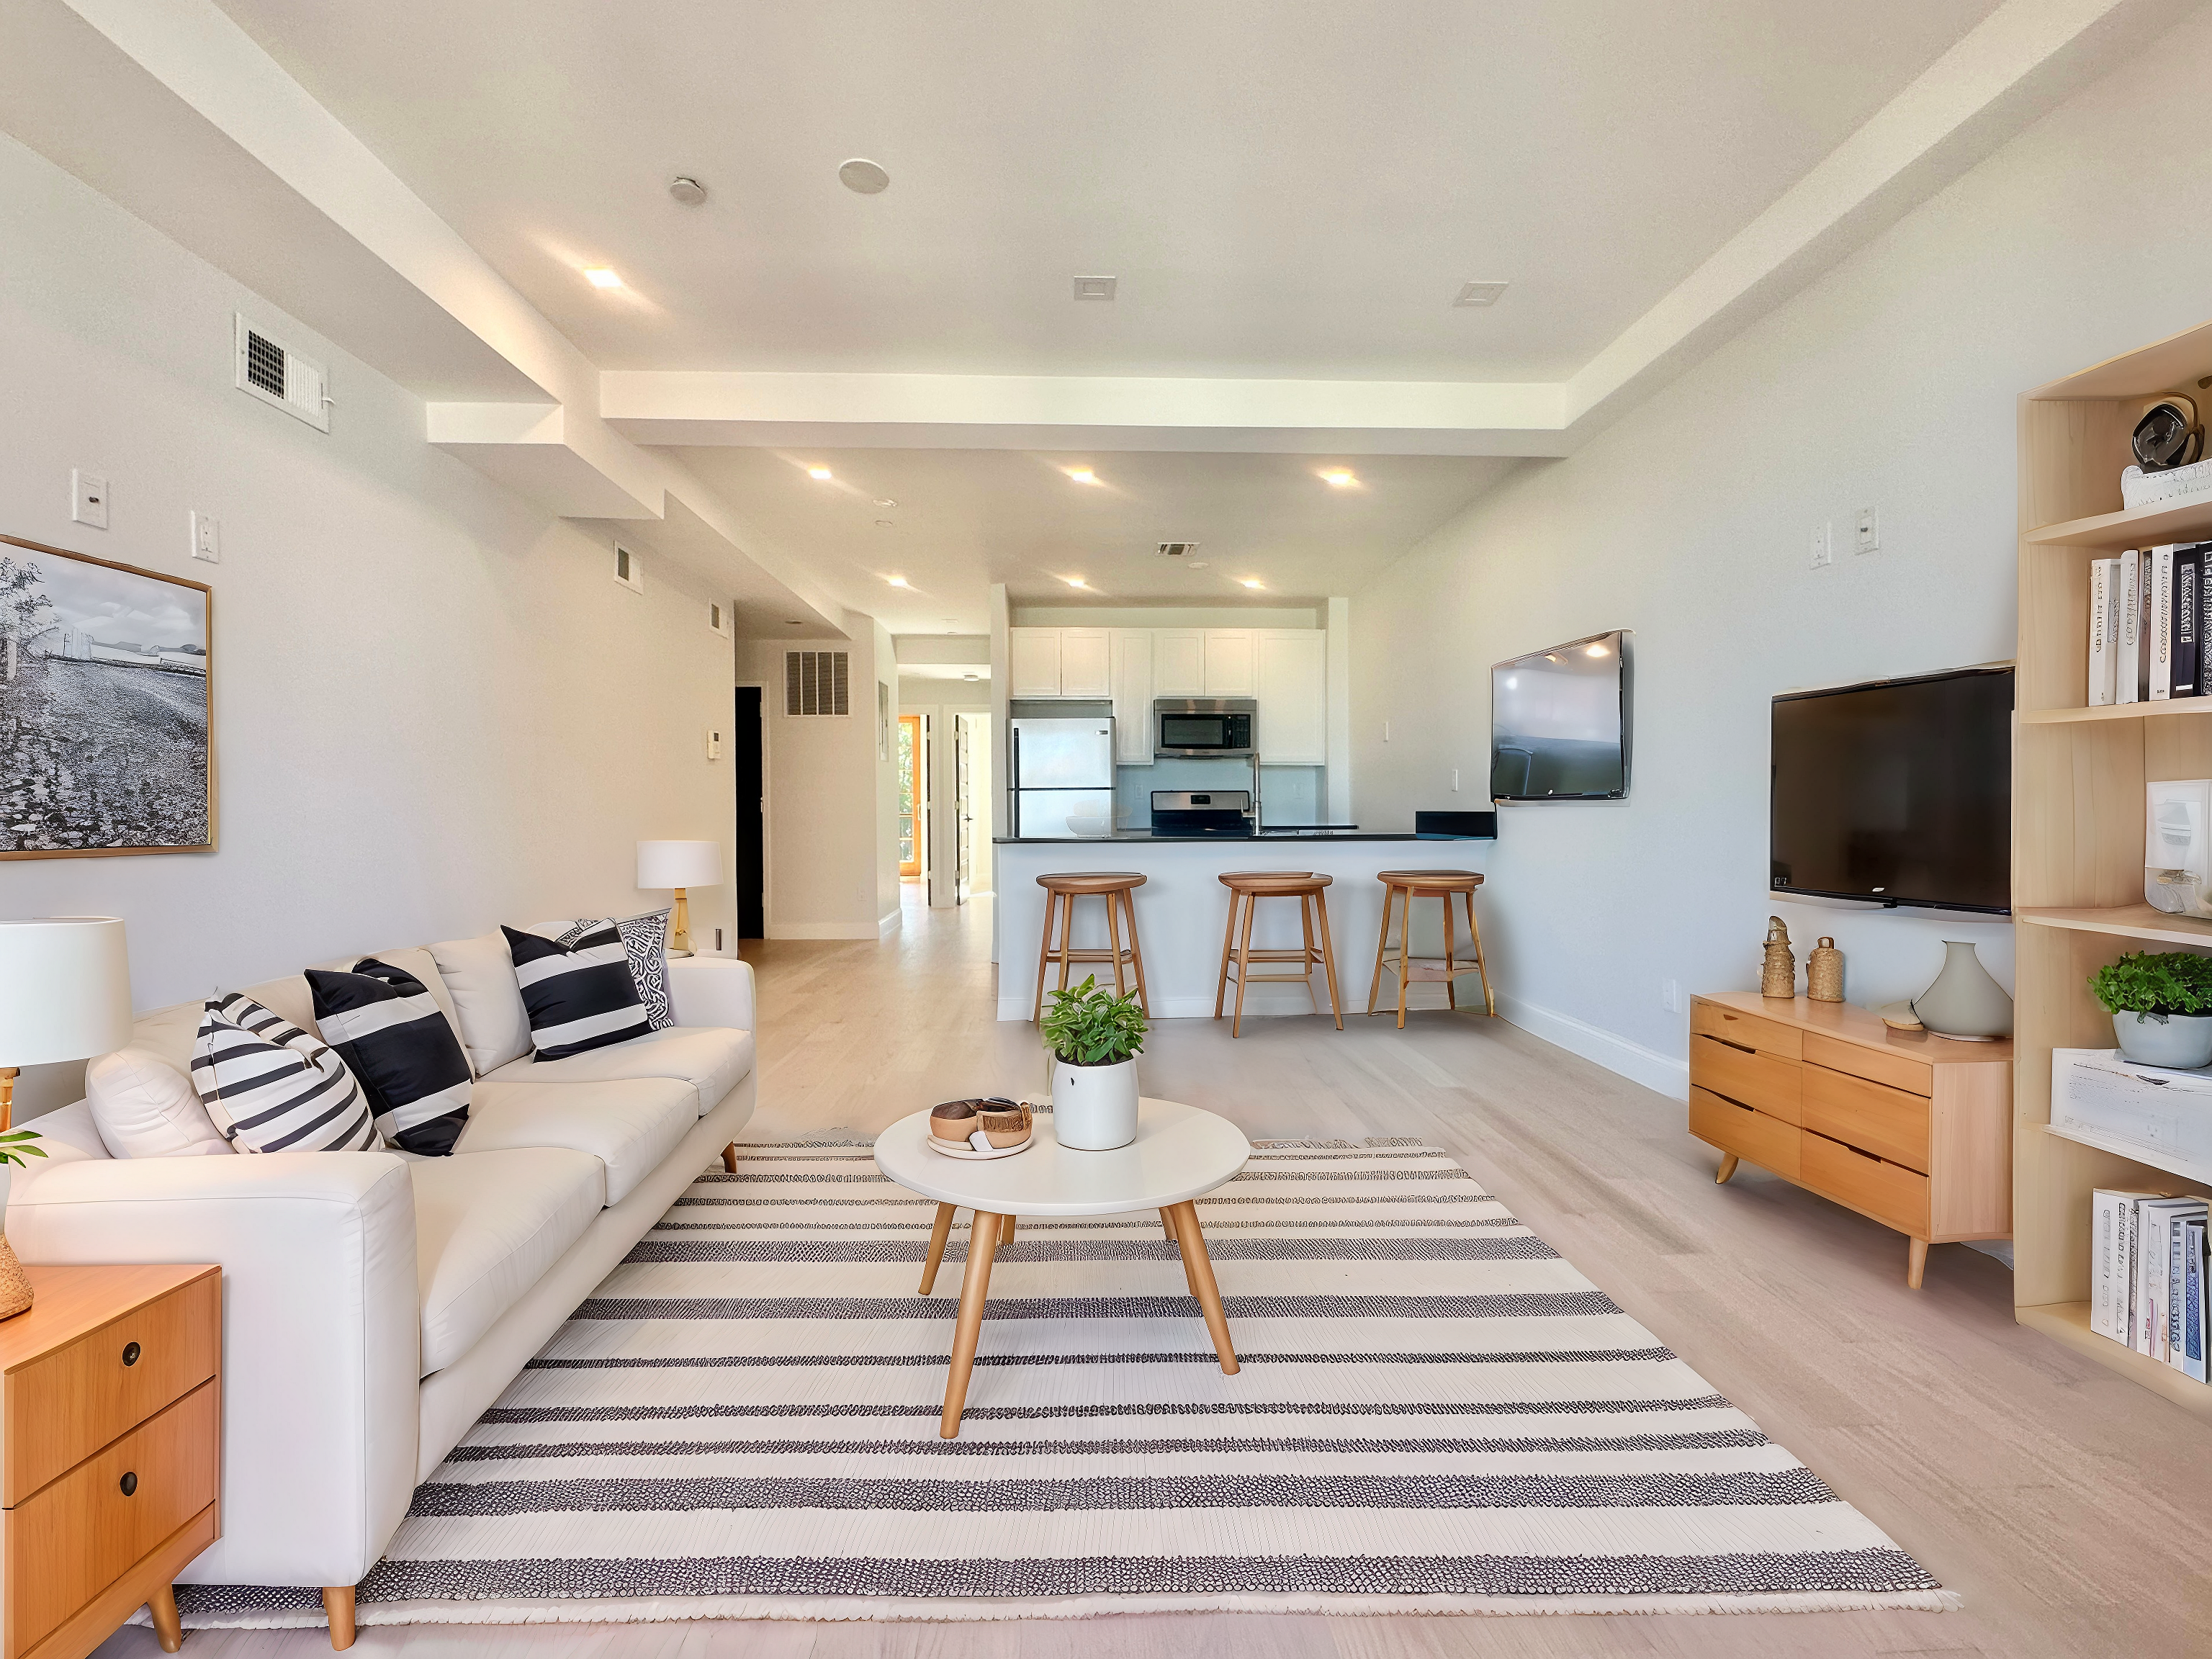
[
  {"x": 750, "y": 783},
  {"x": 963, "y": 812},
  {"x": 911, "y": 797}
]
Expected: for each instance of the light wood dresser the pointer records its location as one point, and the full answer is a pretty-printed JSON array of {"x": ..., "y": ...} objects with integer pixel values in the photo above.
[
  {"x": 1912, "y": 1130},
  {"x": 110, "y": 1451}
]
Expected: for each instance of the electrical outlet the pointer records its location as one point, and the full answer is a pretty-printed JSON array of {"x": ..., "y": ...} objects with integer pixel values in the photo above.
[
  {"x": 207, "y": 537},
  {"x": 714, "y": 744},
  {"x": 718, "y": 938},
  {"x": 1823, "y": 551},
  {"x": 1455, "y": 780},
  {"x": 1866, "y": 531},
  {"x": 1670, "y": 995},
  {"x": 88, "y": 497}
]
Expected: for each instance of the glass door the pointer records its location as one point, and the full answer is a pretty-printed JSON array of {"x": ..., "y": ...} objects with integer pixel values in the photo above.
[{"x": 910, "y": 795}]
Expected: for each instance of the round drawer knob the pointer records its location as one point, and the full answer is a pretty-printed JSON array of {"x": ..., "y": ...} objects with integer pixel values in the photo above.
[
  {"x": 130, "y": 1483},
  {"x": 131, "y": 1352}
]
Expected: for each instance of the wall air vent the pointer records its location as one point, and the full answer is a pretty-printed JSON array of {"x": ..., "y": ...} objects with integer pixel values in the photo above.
[
  {"x": 817, "y": 682},
  {"x": 1178, "y": 549},
  {"x": 271, "y": 371}
]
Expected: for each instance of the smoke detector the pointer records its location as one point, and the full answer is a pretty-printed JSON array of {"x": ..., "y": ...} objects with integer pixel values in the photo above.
[
  {"x": 687, "y": 190},
  {"x": 1178, "y": 549},
  {"x": 864, "y": 177}
]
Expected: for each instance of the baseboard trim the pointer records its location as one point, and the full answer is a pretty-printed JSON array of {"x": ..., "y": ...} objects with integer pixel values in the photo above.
[
  {"x": 823, "y": 930},
  {"x": 889, "y": 923},
  {"x": 1633, "y": 1060},
  {"x": 1257, "y": 1004}
]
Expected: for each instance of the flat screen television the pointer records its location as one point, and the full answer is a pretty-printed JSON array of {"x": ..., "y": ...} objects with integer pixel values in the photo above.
[
  {"x": 1897, "y": 792},
  {"x": 1558, "y": 721}
]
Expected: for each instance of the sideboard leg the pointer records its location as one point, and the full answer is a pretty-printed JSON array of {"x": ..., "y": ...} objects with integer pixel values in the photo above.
[
  {"x": 1916, "y": 1262},
  {"x": 161, "y": 1606},
  {"x": 1727, "y": 1167}
]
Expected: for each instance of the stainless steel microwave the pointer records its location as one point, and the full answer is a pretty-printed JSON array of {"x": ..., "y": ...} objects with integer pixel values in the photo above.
[{"x": 1204, "y": 725}]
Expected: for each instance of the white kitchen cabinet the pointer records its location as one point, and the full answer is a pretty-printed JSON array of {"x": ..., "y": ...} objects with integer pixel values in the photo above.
[
  {"x": 1033, "y": 662},
  {"x": 1084, "y": 670},
  {"x": 1229, "y": 670},
  {"x": 1178, "y": 662},
  {"x": 1292, "y": 671},
  {"x": 1131, "y": 668}
]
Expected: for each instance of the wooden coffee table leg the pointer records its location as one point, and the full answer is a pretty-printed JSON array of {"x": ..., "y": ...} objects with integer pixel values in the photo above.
[
  {"x": 1006, "y": 1230},
  {"x": 1200, "y": 1267},
  {"x": 938, "y": 1231},
  {"x": 982, "y": 1244},
  {"x": 1167, "y": 1225}
]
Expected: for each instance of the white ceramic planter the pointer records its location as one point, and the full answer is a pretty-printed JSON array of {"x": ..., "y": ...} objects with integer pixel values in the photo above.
[
  {"x": 1094, "y": 1108},
  {"x": 2181, "y": 1041}
]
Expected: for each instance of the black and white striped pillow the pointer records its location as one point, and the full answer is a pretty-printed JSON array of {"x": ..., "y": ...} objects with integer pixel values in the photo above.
[
  {"x": 393, "y": 1038},
  {"x": 645, "y": 938},
  {"x": 269, "y": 1087},
  {"x": 579, "y": 997}
]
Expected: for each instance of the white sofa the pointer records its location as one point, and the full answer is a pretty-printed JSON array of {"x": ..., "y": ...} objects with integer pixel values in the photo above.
[{"x": 374, "y": 1304}]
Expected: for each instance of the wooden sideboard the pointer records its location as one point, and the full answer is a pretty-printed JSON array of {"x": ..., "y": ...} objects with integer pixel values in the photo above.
[{"x": 1912, "y": 1130}]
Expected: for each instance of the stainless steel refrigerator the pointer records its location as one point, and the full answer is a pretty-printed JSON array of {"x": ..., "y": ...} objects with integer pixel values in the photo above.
[{"x": 1063, "y": 776}]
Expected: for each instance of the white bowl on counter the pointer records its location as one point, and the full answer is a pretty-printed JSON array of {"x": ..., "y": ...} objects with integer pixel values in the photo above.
[{"x": 1079, "y": 824}]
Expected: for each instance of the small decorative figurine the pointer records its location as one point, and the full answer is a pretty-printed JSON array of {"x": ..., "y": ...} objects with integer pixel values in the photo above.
[
  {"x": 1824, "y": 972},
  {"x": 1778, "y": 976}
]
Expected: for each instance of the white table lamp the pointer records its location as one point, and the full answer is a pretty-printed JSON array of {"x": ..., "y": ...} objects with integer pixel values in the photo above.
[{"x": 679, "y": 864}]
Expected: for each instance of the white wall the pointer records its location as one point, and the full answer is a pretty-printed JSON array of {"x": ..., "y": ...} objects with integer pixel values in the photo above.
[
  {"x": 434, "y": 710},
  {"x": 1891, "y": 383}
]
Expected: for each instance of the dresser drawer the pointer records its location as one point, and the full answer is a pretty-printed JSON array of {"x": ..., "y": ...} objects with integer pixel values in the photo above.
[
  {"x": 67, "y": 1403},
  {"x": 1893, "y": 1195},
  {"x": 1915, "y": 1076},
  {"x": 67, "y": 1543},
  {"x": 1887, "y": 1122},
  {"x": 1752, "y": 1136},
  {"x": 1749, "y": 1078},
  {"x": 1769, "y": 1037}
]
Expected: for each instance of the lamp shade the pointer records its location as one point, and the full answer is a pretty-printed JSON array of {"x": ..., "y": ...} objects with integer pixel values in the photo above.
[
  {"x": 65, "y": 989},
  {"x": 664, "y": 864}
]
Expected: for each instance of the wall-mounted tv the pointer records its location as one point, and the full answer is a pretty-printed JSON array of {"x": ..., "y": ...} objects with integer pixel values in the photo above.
[
  {"x": 1897, "y": 792},
  {"x": 1558, "y": 721}
]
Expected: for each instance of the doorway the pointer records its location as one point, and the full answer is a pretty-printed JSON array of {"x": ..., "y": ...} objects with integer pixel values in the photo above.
[{"x": 748, "y": 744}]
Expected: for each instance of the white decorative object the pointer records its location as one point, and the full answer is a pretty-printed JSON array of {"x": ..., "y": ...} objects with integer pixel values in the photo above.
[
  {"x": 2177, "y": 484},
  {"x": 1094, "y": 1108},
  {"x": 1964, "y": 1001},
  {"x": 2178, "y": 847},
  {"x": 677, "y": 864}
]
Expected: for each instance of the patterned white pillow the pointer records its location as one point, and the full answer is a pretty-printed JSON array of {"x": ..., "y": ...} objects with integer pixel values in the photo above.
[
  {"x": 645, "y": 940},
  {"x": 270, "y": 1087}
]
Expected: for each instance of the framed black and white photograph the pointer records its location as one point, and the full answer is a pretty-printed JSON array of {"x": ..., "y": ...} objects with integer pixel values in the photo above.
[{"x": 107, "y": 704}]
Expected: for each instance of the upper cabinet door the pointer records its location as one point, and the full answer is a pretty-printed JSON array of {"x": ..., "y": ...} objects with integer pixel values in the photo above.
[
  {"x": 1293, "y": 679},
  {"x": 1178, "y": 663},
  {"x": 1229, "y": 671},
  {"x": 1083, "y": 665},
  {"x": 1032, "y": 662},
  {"x": 1132, "y": 668}
]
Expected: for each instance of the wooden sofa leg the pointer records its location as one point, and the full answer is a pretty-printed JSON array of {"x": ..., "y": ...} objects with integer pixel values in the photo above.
[
  {"x": 338, "y": 1602},
  {"x": 730, "y": 1158}
]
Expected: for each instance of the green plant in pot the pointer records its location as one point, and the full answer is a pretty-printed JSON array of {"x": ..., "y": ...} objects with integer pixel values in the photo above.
[
  {"x": 2160, "y": 1005},
  {"x": 1094, "y": 1037}
]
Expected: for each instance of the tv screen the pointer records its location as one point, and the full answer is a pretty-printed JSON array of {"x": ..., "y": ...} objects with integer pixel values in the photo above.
[
  {"x": 1897, "y": 791},
  {"x": 1558, "y": 722}
]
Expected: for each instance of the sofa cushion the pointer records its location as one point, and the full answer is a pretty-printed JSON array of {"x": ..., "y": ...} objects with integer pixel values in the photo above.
[
  {"x": 630, "y": 1126},
  {"x": 392, "y": 1034},
  {"x": 271, "y": 1087},
  {"x": 487, "y": 1001},
  {"x": 580, "y": 996},
  {"x": 645, "y": 940},
  {"x": 712, "y": 1059},
  {"x": 488, "y": 1225},
  {"x": 145, "y": 1108}
]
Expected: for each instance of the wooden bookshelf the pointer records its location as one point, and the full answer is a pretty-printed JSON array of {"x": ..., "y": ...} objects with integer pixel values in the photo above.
[{"x": 2078, "y": 778}]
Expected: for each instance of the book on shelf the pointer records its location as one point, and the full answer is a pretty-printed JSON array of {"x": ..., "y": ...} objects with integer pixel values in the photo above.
[
  {"x": 2158, "y": 642},
  {"x": 2195, "y": 1337},
  {"x": 2127, "y": 668},
  {"x": 2188, "y": 571},
  {"x": 2104, "y": 595}
]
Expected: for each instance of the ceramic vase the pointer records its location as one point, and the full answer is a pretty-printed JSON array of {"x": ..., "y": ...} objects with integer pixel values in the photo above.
[
  {"x": 1094, "y": 1108},
  {"x": 1824, "y": 972},
  {"x": 1964, "y": 1001},
  {"x": 1778, "y": 972},
  {"x": 2183, "y": 1042}
]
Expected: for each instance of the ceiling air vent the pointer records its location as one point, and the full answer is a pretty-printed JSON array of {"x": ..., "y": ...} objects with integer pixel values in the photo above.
[
  {"x": 1178, "y": 549},
  {"x": 271, "y": 371},
  {"x": 817, "y": 682}
]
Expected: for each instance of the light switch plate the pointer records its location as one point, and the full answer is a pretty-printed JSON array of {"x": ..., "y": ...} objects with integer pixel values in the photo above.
[
  {"x": 1866, "y": 531},
  {"x": 1823, "y": 551},
  {"x": 88, "y": 497},
  {"x": 714, "y": 744},
  {"x": 207, "y": 537}
]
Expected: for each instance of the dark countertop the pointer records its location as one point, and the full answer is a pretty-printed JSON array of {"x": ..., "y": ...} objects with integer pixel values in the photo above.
[{"x": 1133, "y": 837}]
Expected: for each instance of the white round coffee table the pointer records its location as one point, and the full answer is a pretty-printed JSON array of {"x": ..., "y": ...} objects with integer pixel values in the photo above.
[{"x": 1181, "y": 1154}]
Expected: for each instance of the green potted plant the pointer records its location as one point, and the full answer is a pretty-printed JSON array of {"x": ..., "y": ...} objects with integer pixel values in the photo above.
[
  {"x": 2161, "y": 1007},
  {"x": 1094, "y": 1037}
]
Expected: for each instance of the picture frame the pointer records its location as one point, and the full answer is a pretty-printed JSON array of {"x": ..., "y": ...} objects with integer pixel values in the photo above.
[{"x": 106, "y": 707}]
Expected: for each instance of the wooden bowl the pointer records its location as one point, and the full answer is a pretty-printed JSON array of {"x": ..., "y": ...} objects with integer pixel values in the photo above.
[
  {"x": 1004, "y": 1122},
  {"x": 954, "y": 1120}
]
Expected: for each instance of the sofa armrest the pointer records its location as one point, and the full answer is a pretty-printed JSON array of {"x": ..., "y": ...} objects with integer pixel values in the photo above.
[
  {"x": 321, "y": 1328},
  {"x": 711, "y": 991}
]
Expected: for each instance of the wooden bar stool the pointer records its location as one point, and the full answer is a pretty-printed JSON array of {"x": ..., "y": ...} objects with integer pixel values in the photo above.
[
  {"x": 1063, "y": 888},
  {"x": 1400, "y": 888},
  {"x": 1247, "y": 888}
]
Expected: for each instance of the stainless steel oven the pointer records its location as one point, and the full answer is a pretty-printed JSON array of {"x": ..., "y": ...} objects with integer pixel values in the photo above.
[{"x": 1206, "y": 725}]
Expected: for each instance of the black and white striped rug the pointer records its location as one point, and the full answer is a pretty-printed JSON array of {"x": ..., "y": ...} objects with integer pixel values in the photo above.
[{"x": 1436, "y": 1413}]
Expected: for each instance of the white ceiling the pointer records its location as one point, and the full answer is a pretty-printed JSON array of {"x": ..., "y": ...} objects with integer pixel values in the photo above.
[
  {"x": 966, "y": 518},
  {"x": 1282, "y": 191}
]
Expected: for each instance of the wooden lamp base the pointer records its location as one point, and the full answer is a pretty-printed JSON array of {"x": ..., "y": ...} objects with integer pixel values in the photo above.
[
  {"x": 679, "y": 926},
  {"x": 15, "y": 1286}
]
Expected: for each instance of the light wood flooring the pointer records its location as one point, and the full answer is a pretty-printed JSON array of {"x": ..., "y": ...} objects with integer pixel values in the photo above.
[{"x": 2072, "y": 1510}]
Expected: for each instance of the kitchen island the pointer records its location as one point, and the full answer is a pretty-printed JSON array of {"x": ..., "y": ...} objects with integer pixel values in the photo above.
[{"x": 1182, "y": 909}]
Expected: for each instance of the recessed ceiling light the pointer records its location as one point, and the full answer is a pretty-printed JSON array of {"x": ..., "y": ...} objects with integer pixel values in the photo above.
[
  {"x": 1478, "y": 293},
  {"x": 885, "y": 500},
  {"x": 793, "y": 622},
  {"x": 1596, "y": 651},
  {"x": 972, "y": 676},
  {"x": 1095, "y": 288},
  {"x": 864, "y": 177},
  {"x": 821, "y": 472},
  {"x": 600, "y": 277},
  {"x": 884, "y": 524},
  {"x": 687, "y": 190},
  {"x": 1250, "y": 582},
  {"x": 1340, "y": 477},
  {"x": 1082, "y": 474},
  {"x": 895, "y": 581},
  {"x": 1196, "y": 564},
  {"x": 1075, "y": 582}
]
